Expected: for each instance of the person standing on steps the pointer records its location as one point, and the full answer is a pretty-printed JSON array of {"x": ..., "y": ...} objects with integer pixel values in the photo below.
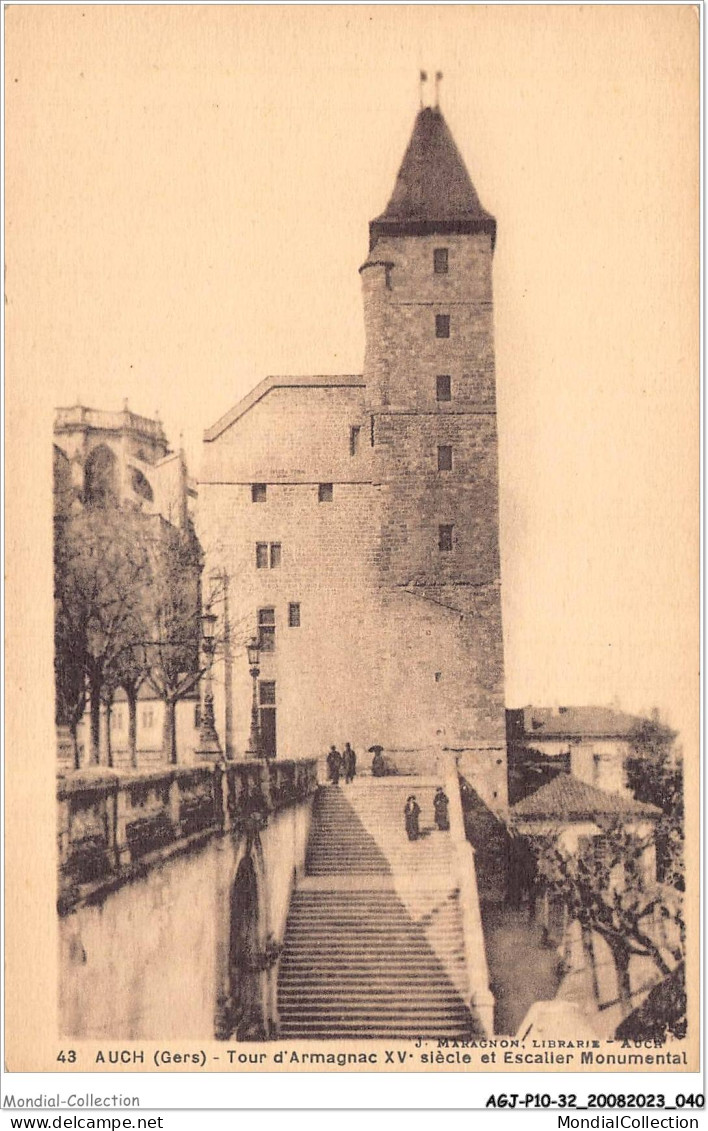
[
  {"x": 334, "y": 764},
  {"x": 349, "y": 763},
  {"x": 412, "y": 817},
  {"x": 442, "y": 814}
]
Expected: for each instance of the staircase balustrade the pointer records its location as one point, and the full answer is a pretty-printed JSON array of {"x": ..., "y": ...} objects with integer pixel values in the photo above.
[
  {"x": 481, "y": 996},
  {"x": 112, "y": 826}
]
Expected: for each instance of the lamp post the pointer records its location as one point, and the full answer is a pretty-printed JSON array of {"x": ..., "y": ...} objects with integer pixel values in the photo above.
[
  {"x": 254, "y": 738},
  {"x": 209, "y": 745}
]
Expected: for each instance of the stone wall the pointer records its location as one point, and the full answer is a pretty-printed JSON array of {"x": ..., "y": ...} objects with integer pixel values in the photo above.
[
  {"x": 291, "y": 440},
  {"x": 152, "y": 959},
  {"x": 399, "y": 643},
  {"x": 444, "y": 607},
  {"x": 113, "y": 828}
]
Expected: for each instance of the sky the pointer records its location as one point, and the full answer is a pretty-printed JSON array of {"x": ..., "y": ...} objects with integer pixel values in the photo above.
[{"x": 188, "y": 192}]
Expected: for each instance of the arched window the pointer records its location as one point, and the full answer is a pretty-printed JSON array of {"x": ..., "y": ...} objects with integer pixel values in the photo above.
[
  {"x": 101, "y": 478},
  {"x": 140, "y": 485}
]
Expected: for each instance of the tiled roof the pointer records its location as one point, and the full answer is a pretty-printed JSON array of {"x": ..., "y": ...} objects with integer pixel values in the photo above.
[
  {"x": 568, "y": 798},
  {"x": 578, "y": 721},
  {"x": 433, "y": 186}
]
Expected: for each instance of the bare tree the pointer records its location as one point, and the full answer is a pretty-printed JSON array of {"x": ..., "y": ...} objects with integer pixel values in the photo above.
[
  {"x": 132, "y": 671},
  {"x": 604, "y": 887},
  {"x": 172, "y": 622},
  {"x": 69, "y": 675},
  {"x": 101, "y": 569}
]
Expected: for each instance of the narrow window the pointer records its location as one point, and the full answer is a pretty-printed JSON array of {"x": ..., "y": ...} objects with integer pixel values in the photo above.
[
  {"x": 445, "y": 538},
  {"x": 325, "y": 493},
  {"x": 266, "y": 688},
  {"x": 354, "y": 439},
  {"x": 443, "y": 388},
  {"x": 266, "y": 630},
  {"x": 294, "y": 614},
  {"x": 440, "y": 260},
  {"x": 258, "y": 492},
  {"x": 372, "y": 431},
  {"x": 442, "y": 325},
  {"x": 445, "y": 457},
  {"x": 148, "y": 717},
  {"x": 274, "y": 555},
  {"x": 261, "y": 555},
  {"x": 197, "y": 715}
]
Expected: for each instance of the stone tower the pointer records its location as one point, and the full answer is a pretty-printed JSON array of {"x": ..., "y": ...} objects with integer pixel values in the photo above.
[{"x": 430, "y": 401}]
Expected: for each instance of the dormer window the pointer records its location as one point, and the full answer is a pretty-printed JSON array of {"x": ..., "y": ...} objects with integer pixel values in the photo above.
[{"x": 440, "y": 261}]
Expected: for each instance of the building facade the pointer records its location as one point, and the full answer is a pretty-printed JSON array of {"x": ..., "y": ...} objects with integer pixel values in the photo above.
[
  {"x": 121, "y": 462},
  {"x": 119, "y": 458},
  {"x": 592, "y": 743},
  {"x": 354, "y": 518}
]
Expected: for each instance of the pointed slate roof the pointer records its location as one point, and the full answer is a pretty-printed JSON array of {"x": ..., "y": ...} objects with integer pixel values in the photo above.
[
  {"x": 566, "y": 797},
  {"x": 433, "y": 190}
]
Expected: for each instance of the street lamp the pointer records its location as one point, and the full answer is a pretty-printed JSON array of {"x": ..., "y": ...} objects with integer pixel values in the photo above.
[
  {"x": 254, "y": 739},
  {"x": 209, "y": 745}
]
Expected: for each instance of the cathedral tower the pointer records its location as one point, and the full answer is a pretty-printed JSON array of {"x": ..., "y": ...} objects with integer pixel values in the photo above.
[{"x": 430, "y": 397}]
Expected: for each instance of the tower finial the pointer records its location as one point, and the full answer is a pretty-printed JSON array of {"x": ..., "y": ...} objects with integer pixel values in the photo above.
[
  {"x": 421, "y": 83},
  {"x": 438, "y": 80}
]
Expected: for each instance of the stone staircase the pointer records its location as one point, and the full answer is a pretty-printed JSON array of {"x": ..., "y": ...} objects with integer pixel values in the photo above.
[{"x": 374, "y": 944}]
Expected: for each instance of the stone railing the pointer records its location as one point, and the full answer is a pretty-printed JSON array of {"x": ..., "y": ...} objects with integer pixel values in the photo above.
[
  {"x": 114, "y": 826},
  {"x": 410, "y": 763},
  {"x": 79, "y": 417},
  {"x": 481, "y": 997}
]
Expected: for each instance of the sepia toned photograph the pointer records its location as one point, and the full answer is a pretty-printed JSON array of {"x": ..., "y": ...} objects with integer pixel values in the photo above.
[{"x": 353, "y": 533}]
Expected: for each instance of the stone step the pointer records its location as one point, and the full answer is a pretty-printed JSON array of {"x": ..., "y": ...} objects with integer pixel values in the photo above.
[
  {"x": 314, "y": 1030},
  {"x": 364, "y": 939},
  {"x": 384, "y": 994},
  {"x": 373, "y": 962},
  {"x": 354, "y": 977},
  {"x": 387, "y": 896},
  {"x": 392, "y": 960},
  {"x": 362, "y": 972},
  {"x": 327, "y": 983},
  {"x": 377, "y": 1017},
  {"x": 352, "y": 937}
]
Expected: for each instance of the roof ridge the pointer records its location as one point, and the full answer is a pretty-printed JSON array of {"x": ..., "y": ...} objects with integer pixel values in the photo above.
[{"x": 320, "y": 380}]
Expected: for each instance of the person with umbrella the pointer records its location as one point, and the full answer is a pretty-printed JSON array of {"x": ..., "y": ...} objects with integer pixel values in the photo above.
[{"x": 378, "y": 767}]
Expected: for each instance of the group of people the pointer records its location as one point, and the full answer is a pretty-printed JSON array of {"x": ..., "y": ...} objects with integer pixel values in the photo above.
[
  {"x": 411, "y": 813},
  {"x": 341, "y": 764}
]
